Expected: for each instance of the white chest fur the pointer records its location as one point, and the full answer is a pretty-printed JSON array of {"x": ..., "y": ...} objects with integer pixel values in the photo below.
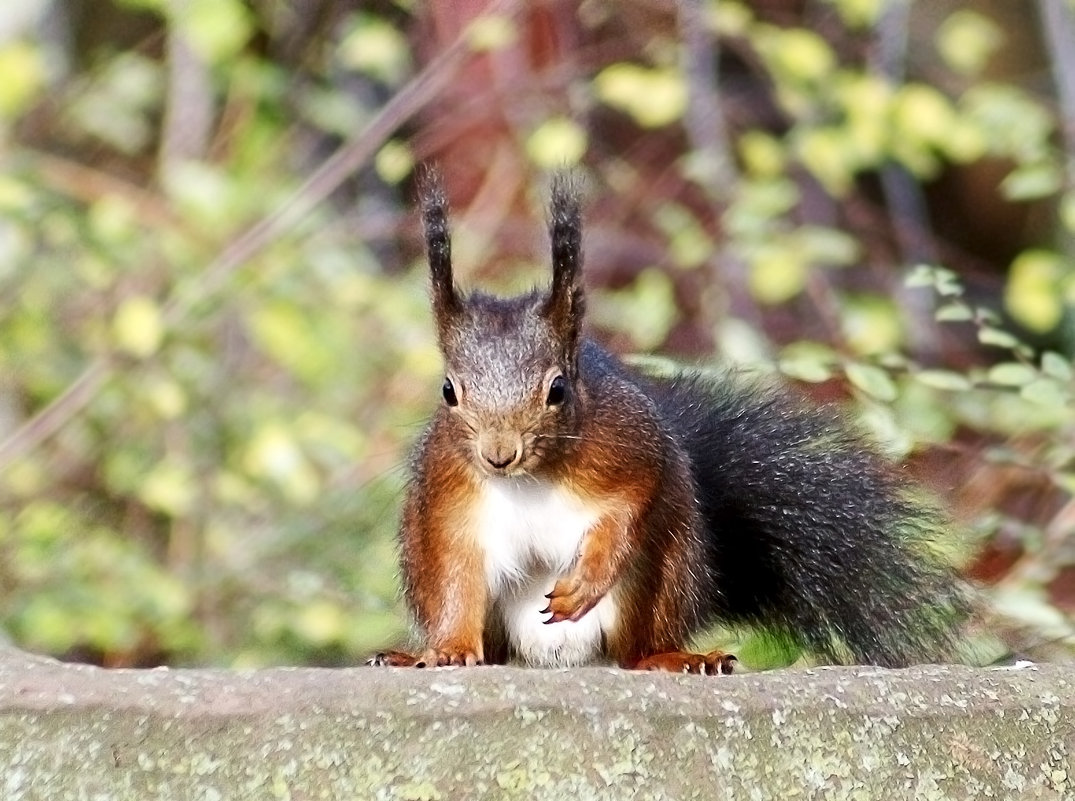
[{"x": 530, "y": 532}]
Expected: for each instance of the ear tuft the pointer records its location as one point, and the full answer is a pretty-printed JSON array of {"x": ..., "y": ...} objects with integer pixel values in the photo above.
[
  {"x": 434, "y": 208},
  {"x": 565, "y": 304},
  {"x": 565, "y": 229}
]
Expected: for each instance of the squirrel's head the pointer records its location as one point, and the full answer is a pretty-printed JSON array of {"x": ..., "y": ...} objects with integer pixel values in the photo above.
[{"x": 511, "y": 364}]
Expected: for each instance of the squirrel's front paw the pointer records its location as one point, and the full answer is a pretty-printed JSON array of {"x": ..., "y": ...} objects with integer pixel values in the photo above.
[
  {"x": 715, "y": 663},
  {"x": 570, "y": 599}
]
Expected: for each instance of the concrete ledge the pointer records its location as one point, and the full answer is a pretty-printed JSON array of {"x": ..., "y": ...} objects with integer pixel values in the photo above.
[{"x": 72, "y": 732}]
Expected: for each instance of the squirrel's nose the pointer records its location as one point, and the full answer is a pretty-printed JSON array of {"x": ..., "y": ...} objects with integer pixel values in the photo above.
[
  {"x": 501, "y": 453},
  {"x": 500, "y": 463}
]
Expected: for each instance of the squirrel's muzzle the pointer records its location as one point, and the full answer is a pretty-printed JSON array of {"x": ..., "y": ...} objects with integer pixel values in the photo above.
[{"x": 500, "y": 451}]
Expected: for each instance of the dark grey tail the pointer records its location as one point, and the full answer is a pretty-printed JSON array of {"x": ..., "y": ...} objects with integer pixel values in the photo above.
[{"x": 811, "y": 533}]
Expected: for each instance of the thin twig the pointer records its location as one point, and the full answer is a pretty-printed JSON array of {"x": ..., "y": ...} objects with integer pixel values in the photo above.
[
  {"x": 1058, "y": 28},
  {"x": 707, "y": 131},
  {"x": 704, "y": 120},
  {"x": 188, "y": 113},
  {"x": 327, "y": 178}
]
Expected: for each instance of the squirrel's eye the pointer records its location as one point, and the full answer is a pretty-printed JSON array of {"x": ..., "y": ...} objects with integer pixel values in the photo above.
[
  {"x": 448, "y": 390},
  {"x": 557, "y": 391}
]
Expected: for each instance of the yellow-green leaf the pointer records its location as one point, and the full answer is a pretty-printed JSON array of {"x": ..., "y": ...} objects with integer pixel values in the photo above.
[
  {"x": 22, "y": 76},
  {"x": 491, "y": 32},
  {"x": 859, "y": 13},
  {"x": 954, "y": 312},
  {"x": 871, "y": 324},
  {"x": 796, "y": 54},
  {"x": 807, "y": 361},
  {"x": 394, "y": 161},
  {"x": 654, "y": 97},
  {"x": 872, "y": 380},
  {"x": 826, "y": 153},
  {"x": 215, "y": 29},
  {"x": 762, "y": 153},
  {"x": 1057, "y": 366},
  {"x": 274, "y": 454},
  {"x": 988, "y": 335},
  {"x": 166, "y": 397},
  {"x": 137, "y": 327},
  {"x": 967, "y": 40},
  {"x": 777, "y": 274},
  {"x": 376, "y": 47},
  {"x": 943, "y": 379},
  {"x": 321, "y": 623},
  {"x": 168, "y": 488},
  {"x": 1033, "y": 181},
  {"x": 557, "y": 142},
  {"x": 923, "y": 114},
  {"x": 1012, "y": 374},
  {"x": 1032, "y": 295}
]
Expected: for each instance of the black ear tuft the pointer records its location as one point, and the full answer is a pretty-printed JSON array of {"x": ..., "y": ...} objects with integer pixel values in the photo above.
[
  {"x": 565, "y": 228},
  {"x": 434, "y": 207},
  {"x": 565, "y": 303}
]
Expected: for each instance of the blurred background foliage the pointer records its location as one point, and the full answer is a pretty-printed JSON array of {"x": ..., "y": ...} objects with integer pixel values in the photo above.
[{"x": 214, "y": 341}]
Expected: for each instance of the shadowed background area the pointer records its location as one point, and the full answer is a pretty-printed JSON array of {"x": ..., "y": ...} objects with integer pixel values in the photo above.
[{"x": 215, "y": 341}]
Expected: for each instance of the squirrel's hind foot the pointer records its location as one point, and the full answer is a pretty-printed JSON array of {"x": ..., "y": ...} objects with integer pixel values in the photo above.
[
  {"x": 429, "y": 658},
  {"x": 715, "y": 663}
]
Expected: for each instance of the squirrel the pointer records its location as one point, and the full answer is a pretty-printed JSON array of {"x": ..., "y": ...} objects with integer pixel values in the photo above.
[{"x": 564, "y": 508}]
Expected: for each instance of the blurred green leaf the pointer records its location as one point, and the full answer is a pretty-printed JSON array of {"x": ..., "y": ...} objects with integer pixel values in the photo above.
[
  {"x": 858, "y": 13},
  {"x": 872, "y": 380},
  {"x": 394, "y": 161},
  {"x": 1012, "y": 374},
  {"x": 988, "y": 335},
  {"x": 1033, "y": 181},
  {"x": 118, "y": 104},
  {"x": 654, "y": 97},
  {"x": 967, "y": 41},
  {"x": 1047, "y": 392},
  {"x": 376, "y": 47},
  {"x": 943, "y": 379},
  {"x": 557, "y": 143},
  {"x": 22, "y": 76},
  {"x": 795, "y": 55},
  {"x": 137, "y": 326},
  {"x": 762, "y": 154},
  {"x": 954, "y": 312},
  {"x": 491, "y": 32},
  {"x": 215, "y": 29},
  {"x": 1056, "y": 366},
  {"x": 871, "y": 324},
  {"x": 778, "y": 272},
  {"x": 807, "y": 361},
  {"x": 826, "y": 153},
  {"x": 1032, "y": 294},
  {"x": 688, "y": 242},
  {"x": 646, "y": 310}
]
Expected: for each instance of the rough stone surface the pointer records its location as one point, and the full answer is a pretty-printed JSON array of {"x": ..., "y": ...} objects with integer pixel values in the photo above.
[{"x": 75, "y": 732}]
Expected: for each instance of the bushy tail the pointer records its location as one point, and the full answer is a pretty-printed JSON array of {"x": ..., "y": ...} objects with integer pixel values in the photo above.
[{"x": 810, "y": 532}]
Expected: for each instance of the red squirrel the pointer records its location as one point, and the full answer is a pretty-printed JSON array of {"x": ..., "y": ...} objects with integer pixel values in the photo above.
[{"x": 564, "y": 509}]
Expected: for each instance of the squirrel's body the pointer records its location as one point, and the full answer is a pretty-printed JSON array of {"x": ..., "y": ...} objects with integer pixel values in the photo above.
[{"x": 564, "y": 509}]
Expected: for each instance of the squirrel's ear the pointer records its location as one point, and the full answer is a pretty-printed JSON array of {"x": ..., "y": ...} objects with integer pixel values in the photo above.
[
  {"x": 566, "y": 302},
  {"x": 434, "y": 207}
]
